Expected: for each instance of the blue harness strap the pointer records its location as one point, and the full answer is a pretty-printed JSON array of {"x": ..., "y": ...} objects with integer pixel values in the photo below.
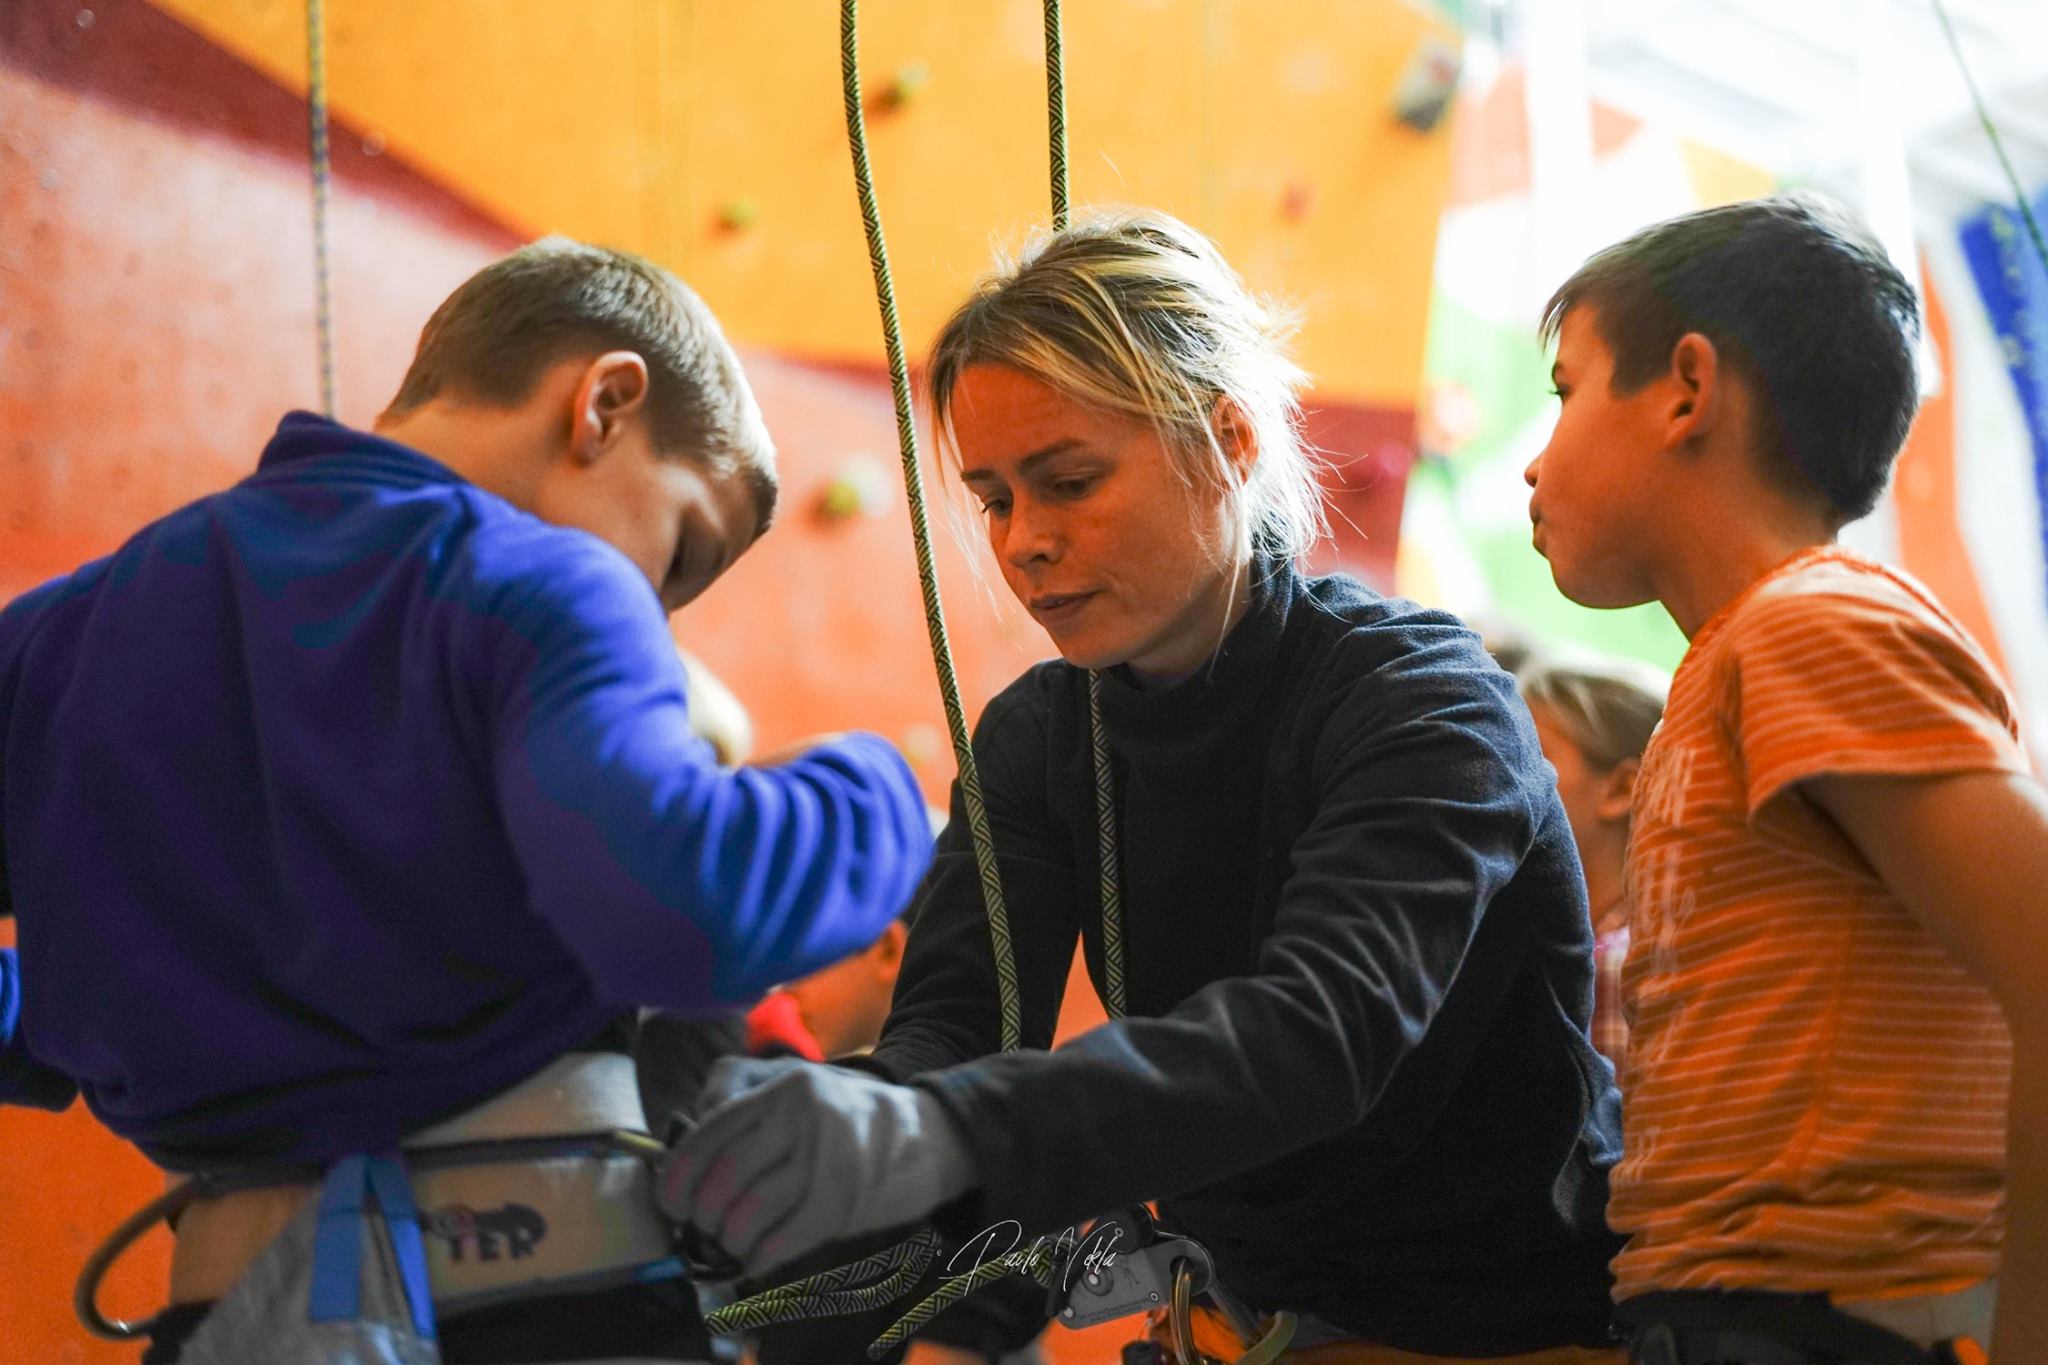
[
  {"x": 338, "y": 1242},
  {"x": 336, "y": 1294},
  {"x": 393, "y": 1189}
]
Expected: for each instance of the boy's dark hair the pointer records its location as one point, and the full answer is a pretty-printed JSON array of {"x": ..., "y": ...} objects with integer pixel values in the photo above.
[
  {"x": 494, "y": 336},
  {"x": 1797, "y": 298}
]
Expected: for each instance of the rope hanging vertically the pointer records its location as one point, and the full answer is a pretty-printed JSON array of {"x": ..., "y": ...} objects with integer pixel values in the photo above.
[
  {"x": 316, "y": 116},
  {"x": 1110, "y": 882},
  {"x": 819, "y": 1296},
  {"x": 1056, "y": 113},
  {"x": 920, "y": 529},
  {"x": 2019, "y": 188}
]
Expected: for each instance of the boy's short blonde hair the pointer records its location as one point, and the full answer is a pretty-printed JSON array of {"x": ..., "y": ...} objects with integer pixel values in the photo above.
[{"x": 552, "y": 299}]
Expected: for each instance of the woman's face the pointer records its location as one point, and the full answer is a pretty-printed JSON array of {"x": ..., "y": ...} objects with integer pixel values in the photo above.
[{"x": 1121, "y": 560}]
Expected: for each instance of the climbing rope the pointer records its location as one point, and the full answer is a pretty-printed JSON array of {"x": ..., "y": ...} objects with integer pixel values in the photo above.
[
  {"x": 1033, "y": 1261},
  {"x": 316, "y": 116},
  {"x": 851, "y": 1288},
  {"x": 1056, "y": 113},
  {"x": 826, "y": 1295},
  {"x": 1105, "y": 842},
  {"x": 920, "y": 529},
  {"x": 2019, "y": 188},
  {"x": 1111, "y": 882}
]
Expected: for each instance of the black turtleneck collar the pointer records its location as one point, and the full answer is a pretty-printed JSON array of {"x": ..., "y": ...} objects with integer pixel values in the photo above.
[{"x": 1235, "y": 675}]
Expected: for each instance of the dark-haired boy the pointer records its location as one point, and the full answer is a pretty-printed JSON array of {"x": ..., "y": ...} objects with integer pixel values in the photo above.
[
  {"x": 1837, "y": 845},
  {"x": 358, "y": 803}
]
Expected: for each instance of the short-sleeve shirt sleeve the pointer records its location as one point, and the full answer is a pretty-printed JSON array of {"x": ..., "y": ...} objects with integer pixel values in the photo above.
[{"x": 1863, "y": 680}]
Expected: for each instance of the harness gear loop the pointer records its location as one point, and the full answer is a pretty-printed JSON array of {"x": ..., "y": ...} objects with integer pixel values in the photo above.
[{"x": 85, "y": 1293}]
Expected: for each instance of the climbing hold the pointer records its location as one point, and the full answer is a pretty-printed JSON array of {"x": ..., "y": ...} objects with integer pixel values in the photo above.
[
  {"x": 1423, "y": 94},
  {"x": 905, "y": 87},
  {"x": 738, "y": 214},
  {"x": 1296, "y": 200},
  {"x": 861, "y": 488}
]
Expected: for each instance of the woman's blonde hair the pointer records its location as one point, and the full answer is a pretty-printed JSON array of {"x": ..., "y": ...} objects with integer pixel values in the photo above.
[
  {"x": 1139, "y": 314},
  {"x": 1609, "y": 708}
]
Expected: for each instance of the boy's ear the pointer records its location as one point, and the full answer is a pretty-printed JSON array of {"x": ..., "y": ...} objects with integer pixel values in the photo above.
[
  {"x": 1696, "y": 383},
  {"x": 612, "y": 389},
  {"x": 1618, "y": 790}
]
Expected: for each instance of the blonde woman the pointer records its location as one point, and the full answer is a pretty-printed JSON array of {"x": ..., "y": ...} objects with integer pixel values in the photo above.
[
  {"x": 1356, "y": 963},
  {"x": 1595, "y": 718}
]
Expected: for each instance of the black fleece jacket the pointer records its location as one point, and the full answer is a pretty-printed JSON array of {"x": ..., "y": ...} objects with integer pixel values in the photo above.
[{"x": 1358, "y": 966}]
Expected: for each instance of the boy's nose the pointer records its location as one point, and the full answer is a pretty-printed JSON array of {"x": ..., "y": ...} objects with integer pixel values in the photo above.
[{"x": 1529, "y": 474}]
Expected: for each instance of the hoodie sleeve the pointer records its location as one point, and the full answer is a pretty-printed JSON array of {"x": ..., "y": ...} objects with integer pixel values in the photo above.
[{"x": 677, "y": 883}]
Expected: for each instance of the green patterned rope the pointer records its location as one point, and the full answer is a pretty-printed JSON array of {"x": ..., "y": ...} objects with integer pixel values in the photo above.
[
  {"x": 920, "y": 527},
  {"x": 1056, "y": 113},
  {"x": 1033, "y": 1261},
  {"x": 1105, "y": 843},
  {"x": 1111, "y": 888},
  {"x": 826, "y": 1294}
]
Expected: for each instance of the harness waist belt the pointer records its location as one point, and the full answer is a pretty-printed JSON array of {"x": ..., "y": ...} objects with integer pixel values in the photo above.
[{"x": 499, "y": 1225}]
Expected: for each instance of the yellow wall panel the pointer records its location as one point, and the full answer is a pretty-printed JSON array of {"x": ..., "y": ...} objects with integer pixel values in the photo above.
[{"x": 638, "y": 122}]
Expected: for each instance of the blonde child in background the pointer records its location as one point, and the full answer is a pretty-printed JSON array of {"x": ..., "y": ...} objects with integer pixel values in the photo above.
[{"x": 1594, "y": 718}]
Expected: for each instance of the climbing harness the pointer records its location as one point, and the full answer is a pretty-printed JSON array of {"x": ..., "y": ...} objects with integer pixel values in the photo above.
[
  {"x": 460, "y": 1225},
  {"x": 527, "y": 1194}
]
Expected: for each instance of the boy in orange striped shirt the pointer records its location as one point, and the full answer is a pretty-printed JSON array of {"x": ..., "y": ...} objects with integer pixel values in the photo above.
[{"x": 1836, "y": 1121}]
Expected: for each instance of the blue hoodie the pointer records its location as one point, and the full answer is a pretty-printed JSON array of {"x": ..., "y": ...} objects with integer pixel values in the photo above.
[{"x": 340, "y": 800}]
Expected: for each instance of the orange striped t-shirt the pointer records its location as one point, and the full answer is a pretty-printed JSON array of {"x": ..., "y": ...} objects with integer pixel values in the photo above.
[{"x": 1816, "y": 1092}]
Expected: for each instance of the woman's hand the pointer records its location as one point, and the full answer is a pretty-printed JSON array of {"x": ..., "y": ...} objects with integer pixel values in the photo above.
[{"x": 791, "y": 1155}]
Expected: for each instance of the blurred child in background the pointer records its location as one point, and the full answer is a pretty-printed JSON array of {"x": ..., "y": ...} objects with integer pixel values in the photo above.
[{"x": 1595, "y": 718}]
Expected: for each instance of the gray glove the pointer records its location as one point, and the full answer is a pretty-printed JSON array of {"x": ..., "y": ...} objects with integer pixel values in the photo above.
[{"x": 791, "y": 1155}]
